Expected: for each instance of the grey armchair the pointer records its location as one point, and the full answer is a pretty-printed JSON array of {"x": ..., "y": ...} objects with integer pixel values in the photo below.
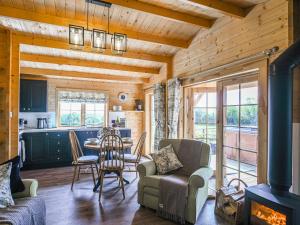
[{"x": 148, "y": 186}]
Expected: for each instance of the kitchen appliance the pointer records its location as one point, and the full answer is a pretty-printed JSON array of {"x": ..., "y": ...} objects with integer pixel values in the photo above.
[
  {"x": 22, "y": 123},
  {"x": 42, "y": 123}
]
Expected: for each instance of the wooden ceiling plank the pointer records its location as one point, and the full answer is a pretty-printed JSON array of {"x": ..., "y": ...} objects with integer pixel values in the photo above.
[
  {"x": 164, "y": 12},
  {"x": 50, "y": 7},
  {"x": 76, "y": 74},
  {"x": 223, "y": 7},
  {"x": 59, "y": 60},
  {"x": 60, "y": 44},
  {"x": 65, "y": 21}
]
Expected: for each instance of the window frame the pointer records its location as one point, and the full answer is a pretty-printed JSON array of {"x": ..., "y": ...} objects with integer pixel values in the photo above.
[{"x": 82, "y": 119}]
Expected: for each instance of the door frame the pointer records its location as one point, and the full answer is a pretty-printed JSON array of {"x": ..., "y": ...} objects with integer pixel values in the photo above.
[
  {"x": 220, "y": 119},
  {"x": 259, "y": 67}
]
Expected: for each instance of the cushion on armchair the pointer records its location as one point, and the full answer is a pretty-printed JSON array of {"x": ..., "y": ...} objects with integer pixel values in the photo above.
[
  {"x": 166, "y": 160},
  {"x": 5, "y": 193},
  {"x": 16, "y": 184},
  {"x": 194, "y": 174}
]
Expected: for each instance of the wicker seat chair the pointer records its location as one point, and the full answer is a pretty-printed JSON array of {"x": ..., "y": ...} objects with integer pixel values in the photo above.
[
  {"x": 111, "y": 148},
  {"x": 79, "y": 159},
  {"x": 132, "y": 160}
]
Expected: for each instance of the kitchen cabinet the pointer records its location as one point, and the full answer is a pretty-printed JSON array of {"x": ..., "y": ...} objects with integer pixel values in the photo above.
[
  {"x": 82, "y": 137},
  {"x": 33, "y": 95},
  {"x": 47, "y": 149}
]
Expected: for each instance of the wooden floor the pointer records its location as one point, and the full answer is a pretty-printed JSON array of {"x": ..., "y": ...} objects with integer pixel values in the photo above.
[{"x": 81, "y": 207}]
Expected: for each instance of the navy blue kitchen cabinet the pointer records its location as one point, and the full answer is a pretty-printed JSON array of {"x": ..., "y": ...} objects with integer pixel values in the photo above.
[
  {"x": 126, "y": 133},
  {"x": 47, "y": 150},
  {"x": 33, "y": 95},
  {"x": 82, "y": 137},
  {"x": 53, "y": 148}
]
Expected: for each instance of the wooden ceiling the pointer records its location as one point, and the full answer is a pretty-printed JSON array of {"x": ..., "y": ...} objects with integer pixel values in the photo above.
[{"x": 156, "y": 29}]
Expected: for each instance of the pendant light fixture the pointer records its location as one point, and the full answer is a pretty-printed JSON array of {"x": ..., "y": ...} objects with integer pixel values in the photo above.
[{"x": 98, "y": 37}]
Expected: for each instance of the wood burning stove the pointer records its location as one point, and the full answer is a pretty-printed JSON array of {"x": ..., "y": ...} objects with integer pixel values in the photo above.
[
  {"x": 273, "y": 204},
  {"x": 262, "y": 207}
]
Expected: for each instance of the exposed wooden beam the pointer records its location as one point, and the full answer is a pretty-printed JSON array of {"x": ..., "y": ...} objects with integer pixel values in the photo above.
[
  {"x": 224, "y": 7},
  {"x": 42, "y": 41},
  {"x": 81, "y": 75},
  {"x": 164, "y": 12},
  {"x": 65, "y": 21},
  {"x": 86, "y": 63}
]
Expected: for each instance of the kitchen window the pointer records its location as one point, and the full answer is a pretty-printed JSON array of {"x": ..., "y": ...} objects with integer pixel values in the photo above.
[{"x": 81, "y": 109}]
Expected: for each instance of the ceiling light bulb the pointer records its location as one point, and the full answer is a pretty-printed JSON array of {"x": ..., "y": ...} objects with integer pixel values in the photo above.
[
  {"x": 76, "y": 38},
  {"x": 118, "y": 44},
  {"x": 98, "y": 42}
]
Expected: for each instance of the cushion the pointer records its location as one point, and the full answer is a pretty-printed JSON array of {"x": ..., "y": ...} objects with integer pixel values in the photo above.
[
  {"x": 88, "y": 158},
  {"x": 5, "y": 193},
  {"x": 130, "y": 158},
  {"x": 16, "y": 184},
  {"x": 166, "y": 160}
]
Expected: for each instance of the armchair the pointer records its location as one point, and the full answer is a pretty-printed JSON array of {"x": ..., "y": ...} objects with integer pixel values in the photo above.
[{"x": 148, "y": 186}]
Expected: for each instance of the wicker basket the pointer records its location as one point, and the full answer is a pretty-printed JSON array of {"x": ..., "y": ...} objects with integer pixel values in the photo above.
[{"x": 230, "y": 203}]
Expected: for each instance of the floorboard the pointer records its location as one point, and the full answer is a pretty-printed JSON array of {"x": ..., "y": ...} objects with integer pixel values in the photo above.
[{"x": 81, "y": 206}]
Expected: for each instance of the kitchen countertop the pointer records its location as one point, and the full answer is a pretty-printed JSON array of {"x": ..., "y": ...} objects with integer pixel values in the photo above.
[{"x": 35, "y": 130}]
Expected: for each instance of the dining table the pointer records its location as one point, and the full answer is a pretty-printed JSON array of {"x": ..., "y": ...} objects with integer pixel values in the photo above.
[{"x": 97, "y": 147}]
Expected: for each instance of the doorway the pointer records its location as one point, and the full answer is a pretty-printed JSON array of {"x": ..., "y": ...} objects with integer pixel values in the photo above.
[{"x": 238, "y": 129}]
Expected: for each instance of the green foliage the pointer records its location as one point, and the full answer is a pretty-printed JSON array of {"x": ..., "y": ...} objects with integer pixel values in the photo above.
[
  {"x": 94, "y": 120},
  {"x": 71, "y": 119}
]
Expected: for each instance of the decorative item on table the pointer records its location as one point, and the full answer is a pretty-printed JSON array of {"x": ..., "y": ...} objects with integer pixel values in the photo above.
[
  {"x": 106, "y": 131},
  {"x": 92, "y": 141},
  {"x": 139, "y": 105},
  {"x": 230, "y": 202},
  {"x": 123, "y": 97}
]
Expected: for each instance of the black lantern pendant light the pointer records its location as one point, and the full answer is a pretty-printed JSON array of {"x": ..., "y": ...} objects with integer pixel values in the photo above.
[{"x": 98, "y": 37}]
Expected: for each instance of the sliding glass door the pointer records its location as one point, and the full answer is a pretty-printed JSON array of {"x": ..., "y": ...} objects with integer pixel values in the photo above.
[
  {"x": 240, "y": 130},
  {"x": 205, "y": 106}
]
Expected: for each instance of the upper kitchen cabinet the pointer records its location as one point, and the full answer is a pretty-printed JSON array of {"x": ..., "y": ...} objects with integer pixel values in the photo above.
[{"x": 33, "y": 95}]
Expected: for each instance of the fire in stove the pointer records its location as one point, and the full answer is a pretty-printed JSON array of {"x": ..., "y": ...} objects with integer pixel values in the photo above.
[{"x": 262, "y": 215}]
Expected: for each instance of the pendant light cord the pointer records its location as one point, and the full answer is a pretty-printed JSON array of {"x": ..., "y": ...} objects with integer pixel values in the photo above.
[
  {"x": 87, "y": 15},
  {"x": 108, "y": 20}
]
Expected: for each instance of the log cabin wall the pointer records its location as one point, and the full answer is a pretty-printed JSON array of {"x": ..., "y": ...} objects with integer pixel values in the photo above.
[
  {"x": 230, "y": 39},
  {"x": 5, "y": 57}
]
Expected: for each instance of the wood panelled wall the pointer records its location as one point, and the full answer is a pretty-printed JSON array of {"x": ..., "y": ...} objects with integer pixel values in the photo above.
[
  {"x": 112, "y": 89},
  {"x": 5, "y": 55},
  {"x": 230, "y": 39}
]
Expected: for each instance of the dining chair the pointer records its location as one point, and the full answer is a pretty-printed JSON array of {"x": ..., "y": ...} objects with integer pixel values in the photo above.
[
  {"x": 106, "y": 131},
  {"x": 113, "y": 161},
  {"x": 132, "y": 160},
  {"x": 79, "y": 159}
]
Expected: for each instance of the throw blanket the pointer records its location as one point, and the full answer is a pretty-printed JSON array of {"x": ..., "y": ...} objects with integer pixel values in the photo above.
[
  {"x": 173, "y": 198},
  {"x": 174, "y": 188},
  {"x": 190, "y": 164},
  {"x": 27, "y": 211}
]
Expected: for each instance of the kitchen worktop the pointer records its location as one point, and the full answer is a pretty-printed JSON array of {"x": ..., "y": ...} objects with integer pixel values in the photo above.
[{"x": 35, "y": 130}]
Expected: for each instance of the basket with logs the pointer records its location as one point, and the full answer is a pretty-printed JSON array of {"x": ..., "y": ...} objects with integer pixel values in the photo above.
[{"x": 230, "y": 203}]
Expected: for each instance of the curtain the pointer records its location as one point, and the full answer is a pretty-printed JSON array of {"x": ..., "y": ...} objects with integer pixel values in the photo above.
[
  {"x": 82, "y": 96},
  {"x": 173, "y": 107},
  {"x": 159, "y": 113}
]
